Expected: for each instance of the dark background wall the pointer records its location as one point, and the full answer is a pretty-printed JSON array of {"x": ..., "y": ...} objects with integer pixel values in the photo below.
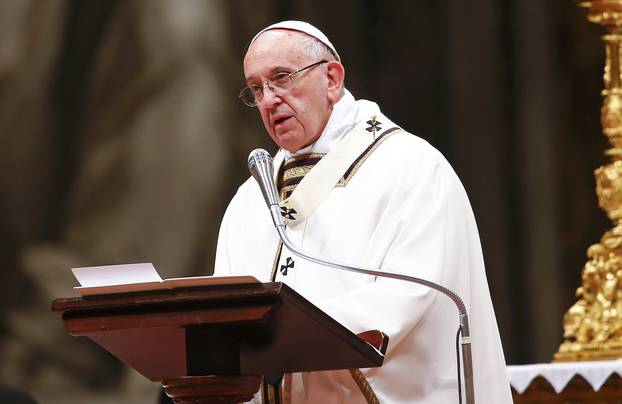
[
  {"x": 123, "y": 141},
  {"x": 509, "y": 92}
]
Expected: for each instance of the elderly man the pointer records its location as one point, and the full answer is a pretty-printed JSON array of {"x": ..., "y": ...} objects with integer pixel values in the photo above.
[{"x": 358, "y": 189}]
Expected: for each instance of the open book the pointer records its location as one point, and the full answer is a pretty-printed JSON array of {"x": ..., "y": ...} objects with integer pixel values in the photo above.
[{"x": 108, "y": 279}]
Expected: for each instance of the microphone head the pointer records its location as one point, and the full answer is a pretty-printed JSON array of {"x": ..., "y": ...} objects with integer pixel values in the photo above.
[
  {"x": 261, "y": 168},
  {"x": 256, "y": 156}
]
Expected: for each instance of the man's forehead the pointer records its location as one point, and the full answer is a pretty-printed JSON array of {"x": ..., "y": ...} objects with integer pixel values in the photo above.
[
  {"x": 273, "y": 49},
  {"x": 273, "y": 39}
]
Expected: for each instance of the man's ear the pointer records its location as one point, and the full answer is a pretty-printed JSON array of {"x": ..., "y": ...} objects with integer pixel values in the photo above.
[{"x": 335, "y": 74}]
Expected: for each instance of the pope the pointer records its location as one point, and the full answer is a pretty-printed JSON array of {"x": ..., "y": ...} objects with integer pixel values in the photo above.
[{"x": 357, "y": 188}]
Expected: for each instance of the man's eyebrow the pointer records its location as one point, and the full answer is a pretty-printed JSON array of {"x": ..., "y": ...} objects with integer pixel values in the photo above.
[{"x": 274, "y": 70}]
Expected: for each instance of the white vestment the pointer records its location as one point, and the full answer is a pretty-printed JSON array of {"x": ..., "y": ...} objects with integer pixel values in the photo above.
[{"x": 398, "y": 207}]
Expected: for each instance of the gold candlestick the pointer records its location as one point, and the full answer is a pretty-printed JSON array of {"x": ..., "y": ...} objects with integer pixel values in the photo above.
[{"x": 593, "y": 325}]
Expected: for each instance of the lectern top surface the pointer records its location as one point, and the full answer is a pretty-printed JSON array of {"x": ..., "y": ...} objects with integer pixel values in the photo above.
[{"x": 245, "y": 329}]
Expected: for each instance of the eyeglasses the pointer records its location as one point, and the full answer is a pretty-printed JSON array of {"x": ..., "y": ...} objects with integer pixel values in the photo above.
[{"x": 279, "y": 84}]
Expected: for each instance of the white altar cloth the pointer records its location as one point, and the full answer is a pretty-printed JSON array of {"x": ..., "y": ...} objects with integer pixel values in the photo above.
[{"x": 559, "y": 374}]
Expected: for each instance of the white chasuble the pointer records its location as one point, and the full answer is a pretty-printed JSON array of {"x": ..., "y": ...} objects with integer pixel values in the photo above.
[{"x": 380, "y": 198}]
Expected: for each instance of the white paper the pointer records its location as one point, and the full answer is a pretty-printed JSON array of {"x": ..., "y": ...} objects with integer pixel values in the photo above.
[{"x": 110, "y": 275}]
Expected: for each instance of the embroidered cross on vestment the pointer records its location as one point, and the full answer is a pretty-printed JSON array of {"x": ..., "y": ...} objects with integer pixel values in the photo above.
[
  {"x": 288, "y": 213},
  {"x": 374, "y": 125},
  {"x": 289, "y": 263}
]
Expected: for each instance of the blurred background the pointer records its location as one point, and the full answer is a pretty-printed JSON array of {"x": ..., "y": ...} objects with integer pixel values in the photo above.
[{"x": 122, "y": 140}]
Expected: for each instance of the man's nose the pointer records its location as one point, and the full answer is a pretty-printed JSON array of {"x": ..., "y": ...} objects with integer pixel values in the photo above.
[{"x": 270, "y": 98}]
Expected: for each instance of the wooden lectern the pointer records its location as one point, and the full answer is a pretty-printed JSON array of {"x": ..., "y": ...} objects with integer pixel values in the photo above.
[{"x": 213, "y": 344}]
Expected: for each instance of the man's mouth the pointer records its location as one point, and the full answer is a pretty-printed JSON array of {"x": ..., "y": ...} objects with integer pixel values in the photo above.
[{"x": 280, "y": 120}]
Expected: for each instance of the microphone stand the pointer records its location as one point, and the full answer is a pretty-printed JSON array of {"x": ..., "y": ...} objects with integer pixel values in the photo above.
[{"x": 260, "y": 166}]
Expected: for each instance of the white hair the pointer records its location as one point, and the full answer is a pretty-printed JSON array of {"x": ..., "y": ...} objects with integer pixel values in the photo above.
[{"x": 316, "y": 49}]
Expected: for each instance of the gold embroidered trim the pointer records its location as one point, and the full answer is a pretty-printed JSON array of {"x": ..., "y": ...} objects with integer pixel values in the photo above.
[
  {"x": 304, "y": 157},
  {"x": 268, "y": 393},
  {"x": 364, "y": 386},
  {"x": 277, "y": 258},
  {"x": 361, "y": 159},
  {"x": 263, "y": 393},
  {"x": 287, "y": 191},
  {"x": 271, "y": 394},
  {"x": 295, "y": 172}
]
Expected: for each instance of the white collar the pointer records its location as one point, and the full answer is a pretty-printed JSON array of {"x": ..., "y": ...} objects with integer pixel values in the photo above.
[{"x": 342, "y": 119}]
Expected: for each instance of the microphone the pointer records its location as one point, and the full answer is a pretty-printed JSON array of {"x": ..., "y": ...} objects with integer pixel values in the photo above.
[{"x": 261, "y": 167}]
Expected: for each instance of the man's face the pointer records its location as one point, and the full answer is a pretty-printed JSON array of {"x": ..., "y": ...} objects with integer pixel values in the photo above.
[{"x": 297, "y": 118}]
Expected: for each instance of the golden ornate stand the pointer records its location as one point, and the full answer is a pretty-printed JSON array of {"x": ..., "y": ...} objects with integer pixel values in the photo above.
[{"x": 593, "y": 325}]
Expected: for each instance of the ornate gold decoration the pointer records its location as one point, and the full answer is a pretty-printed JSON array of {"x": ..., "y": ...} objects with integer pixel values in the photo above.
[{"x": 593, "y": 325}]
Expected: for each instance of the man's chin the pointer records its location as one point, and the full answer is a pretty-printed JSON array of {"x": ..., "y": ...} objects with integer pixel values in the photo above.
[
  {"x": 288, "y": 142},
  {"x": 291, "y": 149}
]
